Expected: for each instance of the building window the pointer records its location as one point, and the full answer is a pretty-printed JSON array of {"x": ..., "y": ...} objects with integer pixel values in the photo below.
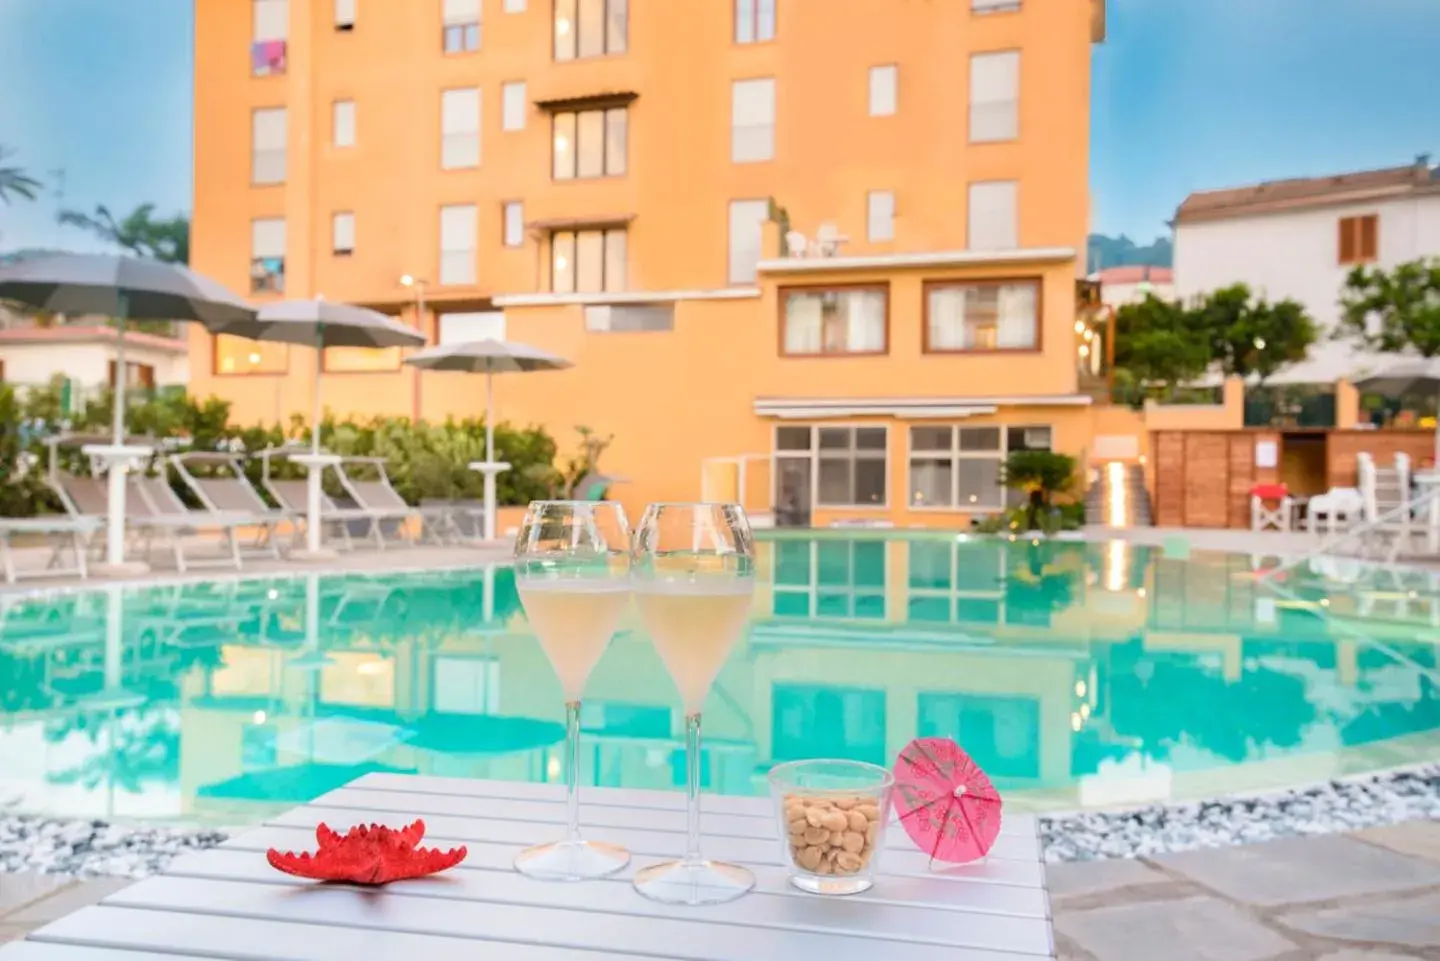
[
  {"x": 588, "y": 261},
  {"x": 514, "y": 224},
  {"x": 754, "y": 21},
  {"x": 994, "y": 215},
  {"x": 271, "y": 29},
  {"x": 752, "y": 120},
  {"x": 590, "y": 143},
  {"x": 342, "y": 234},
  {"x": 514, "y": 6},
  {"x": 461, "y": 29},
  {"x": 345, "y": 15},
  {"x": 457, "y": 244},
  {"x": 137, "y": 376},
  {"x": 459, "y": 128},
  {"x": 590, "y": 28},
  {"x": 994, "y": 96},
  {"x": 239, "y": 356},
  {"x": 962, "y": 467},
  {"x": 993, "y": 6},
  {"x": 982, "y": 316},
  {"x": 843, "y": 320},
  {"x": 267, "y": 256},
  {"x": 747, "y": 225},
  {"x": 342, "y": 123},
  {"x": 884, "y": 90},
  {"x": 1359, "y": 239},
  {"x": 267, "y": 145},
  {"x": 880, "y": 216},
  {"x": 852, "y": 466},
  {"x": 461, "y": 328},
  {"x": 512, "y": 106},
  {"x": 631, "y": 318}
]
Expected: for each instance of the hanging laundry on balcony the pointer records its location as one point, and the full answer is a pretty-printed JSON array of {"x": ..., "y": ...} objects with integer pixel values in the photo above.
[{"x": 267, "y": 57}]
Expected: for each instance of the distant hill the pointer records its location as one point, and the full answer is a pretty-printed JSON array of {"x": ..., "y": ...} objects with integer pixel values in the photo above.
[{"x": 1103, "y": 251}]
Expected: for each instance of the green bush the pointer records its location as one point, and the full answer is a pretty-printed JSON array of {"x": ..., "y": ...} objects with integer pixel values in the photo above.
[{"x": 424, "y": 460}]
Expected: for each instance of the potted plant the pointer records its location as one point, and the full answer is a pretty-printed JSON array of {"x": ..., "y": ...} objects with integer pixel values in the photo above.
[{"x": 1042, "y": 474}]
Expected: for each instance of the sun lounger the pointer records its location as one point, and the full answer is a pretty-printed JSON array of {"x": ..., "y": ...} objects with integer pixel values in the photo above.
[
  {"x": 86, "y": 497},
  {"x": 158, "y": 501},
  {"x": 293, "y": 496},
  {"x": 64, "y": 533},
  {"x": 233, "y": 494},
  {"x": 385, "y": 503}
]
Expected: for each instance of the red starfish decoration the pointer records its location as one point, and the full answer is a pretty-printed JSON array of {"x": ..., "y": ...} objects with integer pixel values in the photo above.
[{"x": 367, "y": 855}]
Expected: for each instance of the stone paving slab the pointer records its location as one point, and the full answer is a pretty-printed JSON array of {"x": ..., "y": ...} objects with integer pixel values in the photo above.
[
  {"x": 1185, "y": 929},
  {"x": 1299, "y": 869},
  {"x": 1076, "y": 879},
  {"x": 1362, "y": 955},
  {"x": 1419, "y": 839},
  {"x": 1401, "y": 921},
  {"x": 21, "y": 888}
]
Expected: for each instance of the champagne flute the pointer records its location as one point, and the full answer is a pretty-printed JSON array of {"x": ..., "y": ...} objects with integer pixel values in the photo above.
[
  {"x": 572, "y": 570},
  {"x": 694, "y": 574}
]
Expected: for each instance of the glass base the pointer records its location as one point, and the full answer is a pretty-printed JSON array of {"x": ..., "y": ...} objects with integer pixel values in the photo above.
[
  {"x": 822, "y": 884},
  {"x": 571, "y": 860},
  {"x": 694, "y": 882}
]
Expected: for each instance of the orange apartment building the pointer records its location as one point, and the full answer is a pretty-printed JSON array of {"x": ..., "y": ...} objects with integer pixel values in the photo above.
[{"x": 613, "y": 181}]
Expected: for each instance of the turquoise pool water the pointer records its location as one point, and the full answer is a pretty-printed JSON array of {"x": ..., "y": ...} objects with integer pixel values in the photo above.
[{"x": 1077, "y": 674}]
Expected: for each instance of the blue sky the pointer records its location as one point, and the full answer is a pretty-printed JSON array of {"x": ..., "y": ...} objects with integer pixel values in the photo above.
[{"x": 1188, "y": 94}]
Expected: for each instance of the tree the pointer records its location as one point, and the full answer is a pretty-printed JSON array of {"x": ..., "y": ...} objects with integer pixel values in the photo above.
[
  {"x": 166, "y": 239},
  {"x": 1155, "y": 342},
  {"x": 1251, "y": 336},
  {"x": 14, "y": 181},
  {"x": 1042, "y": 474},
  {"x": 1393, "y": 311}
]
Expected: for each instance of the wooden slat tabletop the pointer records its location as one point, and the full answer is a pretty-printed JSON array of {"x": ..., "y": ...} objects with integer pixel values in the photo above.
[{"x": 229, "y": 903}]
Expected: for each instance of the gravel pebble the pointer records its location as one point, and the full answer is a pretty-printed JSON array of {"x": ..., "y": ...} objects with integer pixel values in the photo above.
[{"x": 91, "y": 848}]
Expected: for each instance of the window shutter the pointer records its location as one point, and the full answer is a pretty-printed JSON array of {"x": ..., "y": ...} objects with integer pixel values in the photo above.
[
  {"x": 1368, "y": 240},
  {"x": 344, "y": 232},
  {"x": 462, "y": 11},
  {"x": 1347, "y": 240},
  {"x": 267, "y": 237},
  {"x": 993, "y": 215},
  {"x": 269, "y": 128},
  {"x": 272, "y": 19},
  {"x": 344, "y": 13}
]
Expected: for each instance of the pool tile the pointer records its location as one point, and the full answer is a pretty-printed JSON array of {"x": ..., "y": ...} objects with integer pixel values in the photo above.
[{"x": 1300, "y": 869}]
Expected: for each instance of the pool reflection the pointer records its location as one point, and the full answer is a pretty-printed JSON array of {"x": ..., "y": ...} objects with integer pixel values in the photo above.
[{"x": 1074, "y": 673}]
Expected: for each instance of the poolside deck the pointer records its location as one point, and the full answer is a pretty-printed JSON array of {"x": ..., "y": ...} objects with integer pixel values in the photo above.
[{"x": 1371, "y": 895}]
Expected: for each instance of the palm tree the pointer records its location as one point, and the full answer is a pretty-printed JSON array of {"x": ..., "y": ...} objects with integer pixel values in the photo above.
[
  {"x": 138, "y": 232},
  {"x": 14, "y": 180}
]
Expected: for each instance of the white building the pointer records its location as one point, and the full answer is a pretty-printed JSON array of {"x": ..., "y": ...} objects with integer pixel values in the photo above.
[
  {"x": 1298, "y": 239},
  {"x": 1130, "y": 285},
  {"x": 33, "y": 356}
]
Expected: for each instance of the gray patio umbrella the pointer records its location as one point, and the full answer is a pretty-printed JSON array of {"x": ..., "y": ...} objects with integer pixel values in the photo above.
[
  {"x": 126, "y": 288},
  {"x": 1405, "y": 375},
  {"x": 319, "y": 324},
  {"x": 488, "y": 357}
]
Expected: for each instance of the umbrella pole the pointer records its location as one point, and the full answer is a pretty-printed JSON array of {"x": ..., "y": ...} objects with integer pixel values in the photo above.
[
  {"x": 117, "y": 460},
  {"x": 490, "y": 498},
  {"x": 312, "y": 480},
  {"x": 118, "y": 419}
]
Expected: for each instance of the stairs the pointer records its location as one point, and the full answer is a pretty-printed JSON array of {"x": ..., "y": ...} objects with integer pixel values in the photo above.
[{"x": 1118, "y": 497}]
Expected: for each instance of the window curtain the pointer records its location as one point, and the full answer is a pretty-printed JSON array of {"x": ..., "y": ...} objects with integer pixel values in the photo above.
[
  {"x": 803, "y": 324},
  {"x": 1017, "y": 317},
  {"x": 865, "y": 322},
  {"x": 947, "y": 319}
]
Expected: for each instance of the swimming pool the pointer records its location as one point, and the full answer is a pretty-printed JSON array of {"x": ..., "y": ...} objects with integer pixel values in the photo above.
[{"x": 1077, "y": 674}]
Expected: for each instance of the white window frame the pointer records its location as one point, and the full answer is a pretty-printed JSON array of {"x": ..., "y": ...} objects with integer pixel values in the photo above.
[
  {"x": 880, "y": 216},
  {"x": 457, "y": 146},
  {"x": 345, "y": 15},
  {"x": 462, "y": 20},
  {"x": 270, "y": 20},
  {"x": 754, "y": 140},
  {"x": 342, "y": 122},
  {"x": 994, "y": 6},
  {"x": 814, "y": 456},
  {"x": 884, "y": 90},
  {"x": 342, "y": 222},
  {"x": 268, "y": 164},
  {"x": 994, "y": 117},
  {"x": 983, "y": 198},
  {"x": 848, "y": 590},
  {"x": 754, "y": 21},
  {"x": 512, "y": 224},
  {"x": 513, "y": 108},
  {"x": 467, "y": 275},
  {"x": 742, "y": 263},
  {"x": 954, "y": 455},
  {"x": 257, "y": 225},
  {"x": 567, "y": 43},
  {"x": 514, "y": 6}
]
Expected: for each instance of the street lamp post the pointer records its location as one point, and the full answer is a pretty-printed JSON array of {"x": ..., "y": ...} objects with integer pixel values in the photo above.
[{"x": 408, "y": 280}]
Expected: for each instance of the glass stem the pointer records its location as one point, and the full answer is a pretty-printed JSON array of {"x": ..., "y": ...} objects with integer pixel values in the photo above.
[
  {"x": 572, "y": 770},
  {"x": 692, "y": 786}
]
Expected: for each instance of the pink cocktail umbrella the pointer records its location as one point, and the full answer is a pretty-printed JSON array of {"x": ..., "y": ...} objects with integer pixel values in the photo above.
[{"x": 946, "y": 803}]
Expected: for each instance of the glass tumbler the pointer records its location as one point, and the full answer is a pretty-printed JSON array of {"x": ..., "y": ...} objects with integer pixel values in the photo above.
[{"x": 832, "y": 817}]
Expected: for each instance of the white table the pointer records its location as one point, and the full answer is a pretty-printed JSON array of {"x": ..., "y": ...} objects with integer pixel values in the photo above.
[{"x": 229, "y": 903}]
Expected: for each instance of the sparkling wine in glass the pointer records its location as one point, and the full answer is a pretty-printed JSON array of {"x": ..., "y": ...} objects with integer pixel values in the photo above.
[
  {"x": 572, "y": 569},
  {"x": 694, "y": 575}
]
